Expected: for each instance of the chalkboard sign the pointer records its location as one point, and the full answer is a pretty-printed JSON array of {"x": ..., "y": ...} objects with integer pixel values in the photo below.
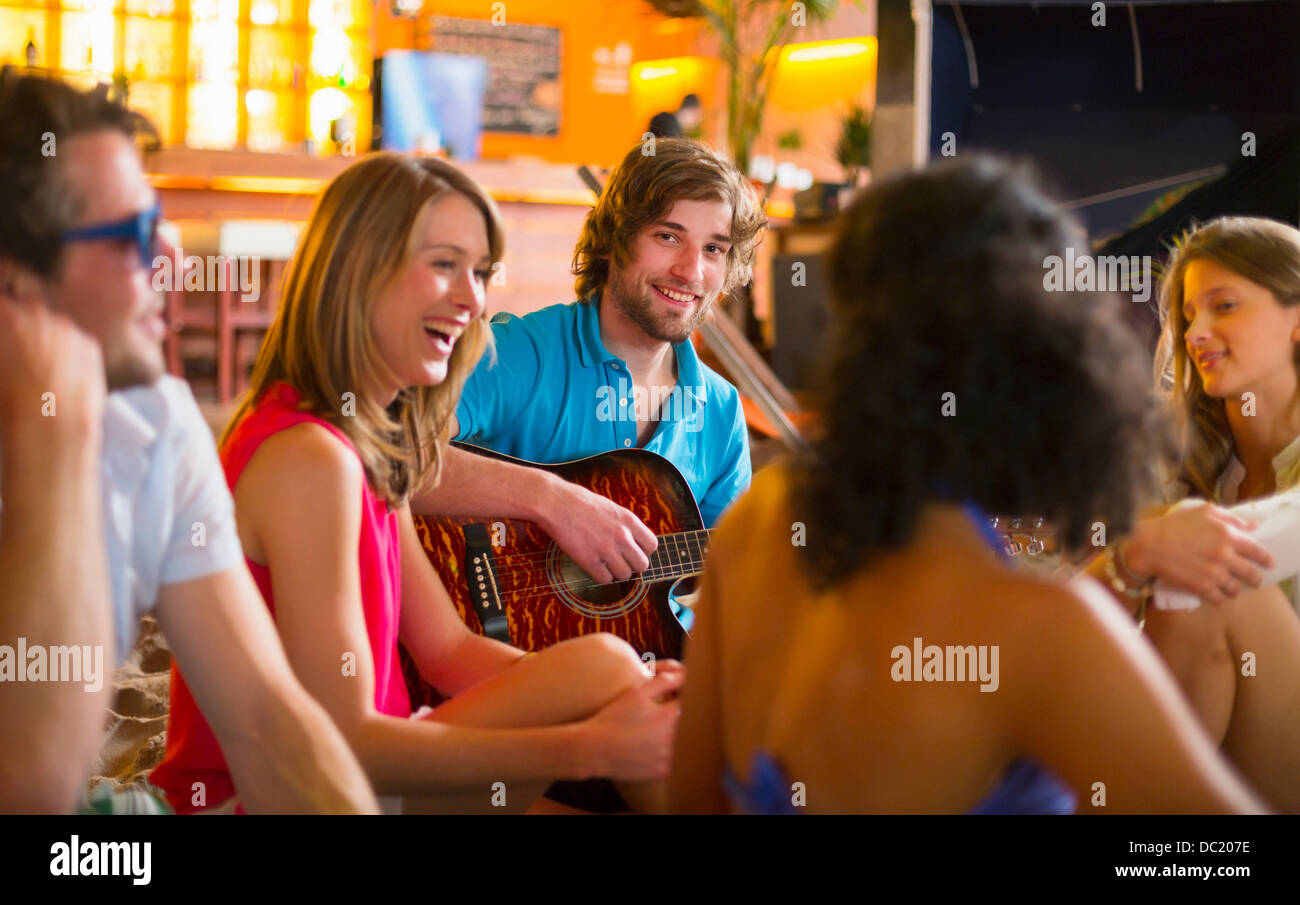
[{"x": 523, "y": 86}]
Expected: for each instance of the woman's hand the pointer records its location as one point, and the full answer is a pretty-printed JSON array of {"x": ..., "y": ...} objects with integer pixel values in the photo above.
[
  {"x": 1202, "y": 549},
  {"x": 633, "y": 734}
]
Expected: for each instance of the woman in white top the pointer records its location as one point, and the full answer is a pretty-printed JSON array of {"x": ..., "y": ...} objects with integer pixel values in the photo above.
[{"x": 1229, "y": 361}]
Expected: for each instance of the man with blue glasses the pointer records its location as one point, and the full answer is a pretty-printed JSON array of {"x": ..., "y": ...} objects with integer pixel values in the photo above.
[
  {"x": 113, "y": 504},
  {"x": 141, "y": 227}
]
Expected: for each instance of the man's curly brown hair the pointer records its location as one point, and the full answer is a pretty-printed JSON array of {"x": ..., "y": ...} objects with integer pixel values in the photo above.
[
  {"x": 644, "y": 187},
  {"x": 937, "y": 286}
]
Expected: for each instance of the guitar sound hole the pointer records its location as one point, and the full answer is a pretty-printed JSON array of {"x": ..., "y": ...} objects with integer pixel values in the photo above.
[{"x": 580, "y": 584}]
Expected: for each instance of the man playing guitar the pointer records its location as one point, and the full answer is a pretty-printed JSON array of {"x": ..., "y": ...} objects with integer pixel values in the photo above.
[{"x": 675, "y": 228}]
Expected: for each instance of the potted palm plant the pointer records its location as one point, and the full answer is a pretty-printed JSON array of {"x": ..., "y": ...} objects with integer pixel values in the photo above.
[
  {"x": 746, "y": 48},
  {"x": 853, "y": 149}
]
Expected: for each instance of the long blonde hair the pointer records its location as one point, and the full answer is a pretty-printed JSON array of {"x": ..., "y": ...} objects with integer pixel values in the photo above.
[
  {"x": 1263, "y": 251},
  {"x": 321, "y": 343}
]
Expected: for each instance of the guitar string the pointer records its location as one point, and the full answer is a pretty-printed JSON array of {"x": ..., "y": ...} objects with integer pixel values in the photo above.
[
  {"x": 685, "y": 559},
  {"x": 657, "y": 562},
  {"x": 682, "y": 567},
  {"x": 677, "y": 542},
  {"x": 683, "y": 538},
  {"x": 546, "y": 588}
]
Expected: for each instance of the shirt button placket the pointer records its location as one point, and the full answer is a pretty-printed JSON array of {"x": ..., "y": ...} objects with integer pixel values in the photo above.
[{"x": 625, "y": 420}]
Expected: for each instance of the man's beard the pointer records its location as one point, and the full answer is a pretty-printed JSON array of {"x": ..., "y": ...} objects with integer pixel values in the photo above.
[
  {"x": 641, "y": 309},
  {"x": 125, "y": 368}
]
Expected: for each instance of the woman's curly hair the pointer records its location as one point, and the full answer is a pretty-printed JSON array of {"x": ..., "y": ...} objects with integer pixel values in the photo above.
[{"x": 938, "y": 287}]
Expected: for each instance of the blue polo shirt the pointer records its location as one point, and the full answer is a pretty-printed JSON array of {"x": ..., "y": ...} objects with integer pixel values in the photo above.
[{"x": 555, "y": 393}]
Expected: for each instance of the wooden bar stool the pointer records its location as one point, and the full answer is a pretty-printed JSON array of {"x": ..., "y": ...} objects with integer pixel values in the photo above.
[{"x": 226, "y": 316}]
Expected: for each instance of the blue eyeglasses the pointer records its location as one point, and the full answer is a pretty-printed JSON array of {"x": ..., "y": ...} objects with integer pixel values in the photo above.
[{"x": 142, "y": 227}]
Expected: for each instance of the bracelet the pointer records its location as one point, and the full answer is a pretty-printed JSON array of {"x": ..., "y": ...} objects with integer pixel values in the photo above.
[
  {"x": 1142, "y": 594},
  {"x": 1129, "y": 573}
]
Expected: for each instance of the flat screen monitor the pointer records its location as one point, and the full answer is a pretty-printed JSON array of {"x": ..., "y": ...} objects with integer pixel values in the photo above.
[{"x": 431, "y": 101}]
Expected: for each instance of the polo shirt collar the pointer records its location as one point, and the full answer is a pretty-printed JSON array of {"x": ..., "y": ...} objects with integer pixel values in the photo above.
[
  {"x": 689, "y": 376},
  {"x": 591, "y": 349}
]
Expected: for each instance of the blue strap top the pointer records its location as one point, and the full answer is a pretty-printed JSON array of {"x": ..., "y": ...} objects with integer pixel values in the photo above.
[{"x": 1026, "y": 788}]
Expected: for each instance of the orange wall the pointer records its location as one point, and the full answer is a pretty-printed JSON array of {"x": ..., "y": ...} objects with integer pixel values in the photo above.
[{"x": 595, "y": 128}]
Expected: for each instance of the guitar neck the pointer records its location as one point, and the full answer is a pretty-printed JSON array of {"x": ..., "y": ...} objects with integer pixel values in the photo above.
[{"x": 678, "y": 555}]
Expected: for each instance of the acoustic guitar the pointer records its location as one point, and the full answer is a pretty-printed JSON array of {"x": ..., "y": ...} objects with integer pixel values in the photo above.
[{"x": 509, "y": 581}]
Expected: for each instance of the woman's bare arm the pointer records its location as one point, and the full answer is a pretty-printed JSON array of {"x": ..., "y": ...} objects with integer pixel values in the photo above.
[
  {"x": 695, "y": 785},
  {"x": 301, "y": 497},
  {"x": 1263, "y": 737},
  {"x": 1092, "y": 700},
  {"x": 300, "y": 500}
]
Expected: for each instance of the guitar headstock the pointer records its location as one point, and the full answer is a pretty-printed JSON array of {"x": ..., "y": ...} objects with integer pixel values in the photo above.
[{"x": 1025, "y": 536}]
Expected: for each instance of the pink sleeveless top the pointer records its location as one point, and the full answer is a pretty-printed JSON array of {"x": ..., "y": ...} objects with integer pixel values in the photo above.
[{"x": 193, "y": 754}]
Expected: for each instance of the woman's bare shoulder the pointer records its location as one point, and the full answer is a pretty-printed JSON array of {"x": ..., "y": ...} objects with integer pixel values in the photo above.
[
  {"x": 306, "y": 454},
  {"x": 301, "y": 479}
]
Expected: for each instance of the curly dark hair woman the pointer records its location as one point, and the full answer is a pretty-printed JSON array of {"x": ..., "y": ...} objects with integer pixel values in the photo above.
[
  {"x": 948, "y": 349},
  {"x": 893, "y": 664}
]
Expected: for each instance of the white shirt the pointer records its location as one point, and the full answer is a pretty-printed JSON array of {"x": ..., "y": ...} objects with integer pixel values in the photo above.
[
  {"x": 168, "y": 515},
  {"x": 1286, "y": 479}
]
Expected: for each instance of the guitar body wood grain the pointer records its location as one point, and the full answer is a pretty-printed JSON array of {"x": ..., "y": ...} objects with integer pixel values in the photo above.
[{"x": 547, "y": 599}]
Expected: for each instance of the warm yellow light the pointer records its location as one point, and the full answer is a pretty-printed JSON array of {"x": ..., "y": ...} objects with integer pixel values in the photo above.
[
  {"x": 212, "y": 115},
  {"x": 823, "y": 74},
  {"x": 657, "y": 72},
  {"x": 293, "y": 185},
  {"x": 264, "y": 12},
  {"x": 326, "y": 105},
  {"x": 215, "y": 11},
  {"x": 214, "y": 51},
  {"x": 324, "y": 13},
  {"x": 828, "y": 50},
  {"x": 329, "y": 51},
  {"x": 259, "y": 102}
]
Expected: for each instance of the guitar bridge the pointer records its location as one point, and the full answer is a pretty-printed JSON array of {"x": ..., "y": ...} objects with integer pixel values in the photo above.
[{"x": 484, "y": 592}]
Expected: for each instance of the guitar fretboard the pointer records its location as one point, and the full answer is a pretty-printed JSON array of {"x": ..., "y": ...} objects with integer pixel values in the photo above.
[{"x": 678, "y": 555}]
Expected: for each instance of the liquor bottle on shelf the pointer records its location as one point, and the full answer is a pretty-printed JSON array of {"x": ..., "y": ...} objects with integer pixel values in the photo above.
[{"x": 29, "y": 52}]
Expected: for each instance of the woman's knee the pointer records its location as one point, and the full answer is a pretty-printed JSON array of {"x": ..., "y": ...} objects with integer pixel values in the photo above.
[
  {"x": 1267, "y": 596},
  {"x": 608, "y": 661},
  {"x": 1194, "y": 646}
]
